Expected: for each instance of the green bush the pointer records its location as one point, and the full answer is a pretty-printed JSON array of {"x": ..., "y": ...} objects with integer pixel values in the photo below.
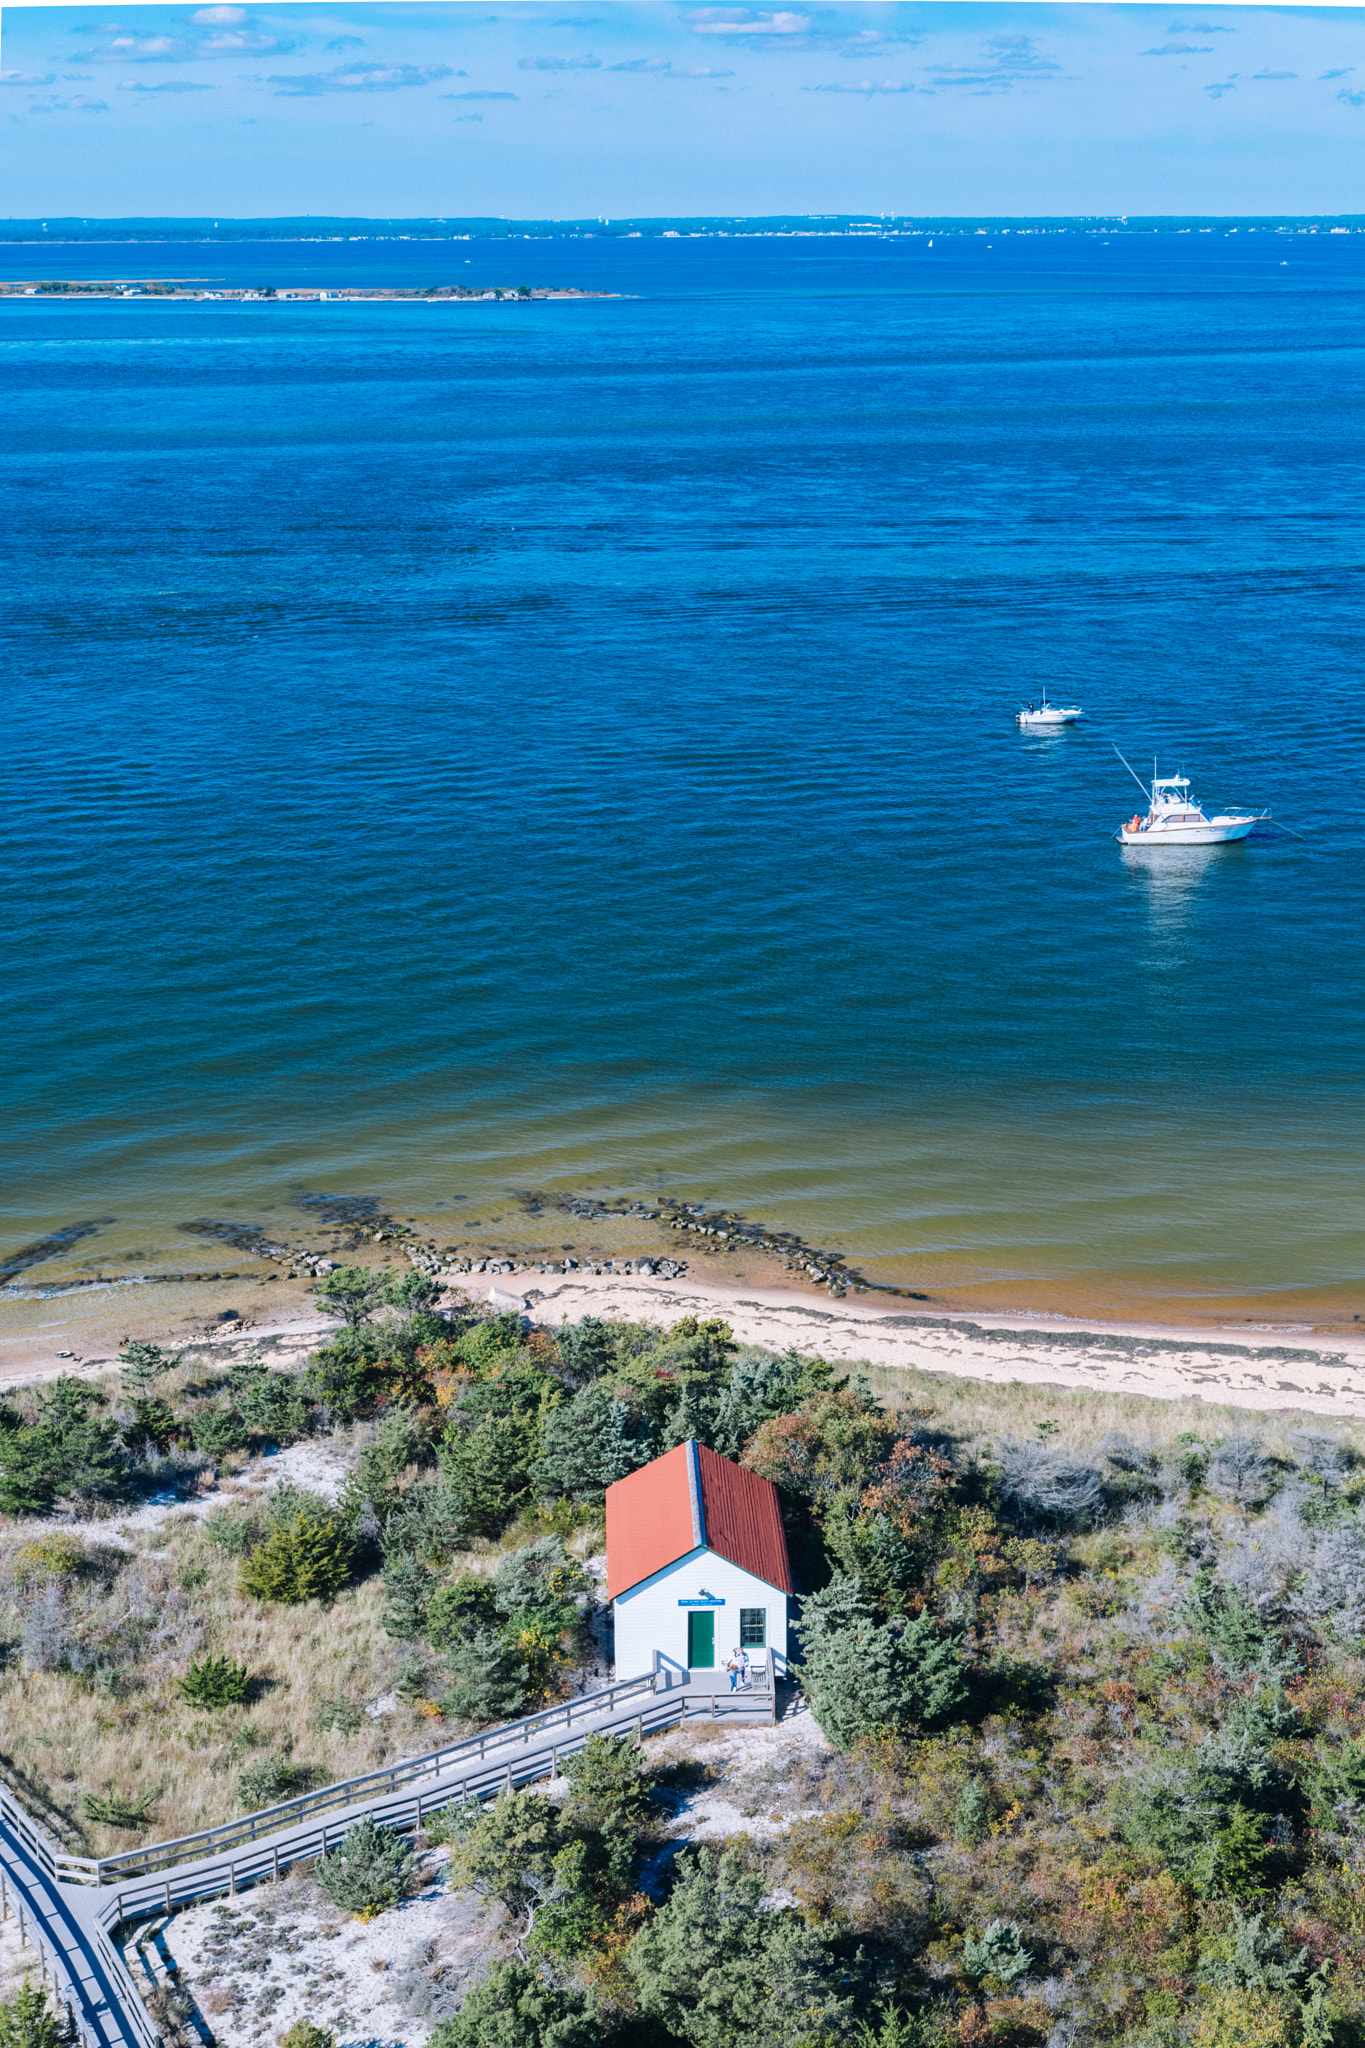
[
  {"x": 142, "y": 1365},
  {"x": 458, "y": 1610},
  {"x": 235, "y": 1530},
  {"x": 510, "y": 1846},
  {"x": 541, "y": 1587},
  {"x": 303, "y": 2034},
  {"x": 998, "y": 1952},
  {"x": 344, "y": 1377},
  {"x": 514, "y": 2008},
  {"x": 154, "y": 1422},
  {"x": 369, "y": 1873},
  {"x": 216, "y": 1682},
  {"x": 307, "y": 1558},
  {"x": 28, "y": 2021},
  {"x": 270, "y": 1403},
  {"x": 864, "y": 1678},
  {"x": 407, "y": 1589},
  {"x": 588, "y": 1445},
  {"x": 715, "y": 1968},
  {"x": 270, "y": 1781},
  {"x": 352, "y": 1292},
  {"x": 217, "y": 1432},
  {"x": 65, "y": 1453},
  {"x": 608, "y": 1784},
  {"x": 489, "y": 1679},
  {"x": 489, "y": 1470}
]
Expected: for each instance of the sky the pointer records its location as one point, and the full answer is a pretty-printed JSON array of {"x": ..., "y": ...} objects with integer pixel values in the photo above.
[{"x": 541, "y": 111}]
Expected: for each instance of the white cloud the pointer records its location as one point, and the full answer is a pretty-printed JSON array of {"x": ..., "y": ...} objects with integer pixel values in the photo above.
[
  {"x": 1215, "y": 92},
  {"x": 167, "y": 85},
  {"x": 221, "y": 17},
  {"x": 1179, "y": 50},
  {"x": 1274, "y": 74},
  {"x": 1006, "y": 61},
  {"x": 865, "y": 87},
  {"x": 26, "y": 77},
  {"x": 588, "y": 63},
  {"x": 353, "y": 78},
  {"x": 478, "y": 95},
  {"x": 743, "y": 21}
]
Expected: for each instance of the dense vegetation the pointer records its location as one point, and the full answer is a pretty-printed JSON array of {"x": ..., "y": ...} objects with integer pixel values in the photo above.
[{"x": 1095, "y": 1703}]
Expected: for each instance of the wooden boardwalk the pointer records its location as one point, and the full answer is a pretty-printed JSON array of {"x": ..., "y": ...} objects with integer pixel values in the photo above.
[{"x": 76, "y": 1909}]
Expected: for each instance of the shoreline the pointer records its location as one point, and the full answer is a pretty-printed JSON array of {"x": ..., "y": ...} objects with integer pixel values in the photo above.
[{"x": 1283, "y": 1369}]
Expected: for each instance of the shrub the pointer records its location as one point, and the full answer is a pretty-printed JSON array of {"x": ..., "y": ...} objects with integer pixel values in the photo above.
[
  {"x": 1333, "y": 1588},
  {"x": 154, "y": 1422},
  {"x": 862, "y": 1678},
  {"x": 512, "y": 2007},
  {"x": 588, "y": 1445},
  {"x": 344, "y": 1715},
  {"x": 608, "y": 1783},
  {"x": 235, "y": 1530},
  {"x": 761, "y": 1386},
  {"x": 715, "y": 1968},
  {"x": 142, "y": 1365},
  {"x": 400, "y": 1441},
  {"x": 369, "y": 1873},
  {"x": 998, "y": 1951},
  {"x": 352, "y": 1293},
  {"x": 270, "y": 1403},
  {"x": 459, "y": 1610},
  {"x": 972, "y": 1815},
  {"x": 838, "y": 1440},
  {"x": 407, "y": 1588},
  {"x": 540, "y": 1586},
  {"x": 307, "y": 1558},
  {"x": 303, "y": 2034},
  {"x": 344, "y": 1376},
  {"x": 110, "y": 1811},
  {"x": 1225, "y": 1619},
  {"x": 216, "y": 1682},
  {"x": 217, "y": 1432},
  {"x": 1239, "y": 1469},
  {"x": 488, "y": 1470},
  {"x": 510, "y": 1846},
  {"x": 1046, "y": 1483},
  {"x": 64, "y": 1453},
  {"x": 426, "y": 1521},
  {"x": 28, "y": 2021},
  {"x": 489, "y": 1679},
  {"x": 587, "y": 1347},
  {"x": 48, "y": 1560},
  {"x": 268, "y": 1781}
]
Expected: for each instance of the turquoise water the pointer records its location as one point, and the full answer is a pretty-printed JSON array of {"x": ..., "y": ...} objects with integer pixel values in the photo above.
[{"x": 468, "y": 748}]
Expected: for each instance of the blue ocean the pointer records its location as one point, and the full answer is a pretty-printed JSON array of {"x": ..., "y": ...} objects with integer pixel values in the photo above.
[{"x": 571, "y": 746}]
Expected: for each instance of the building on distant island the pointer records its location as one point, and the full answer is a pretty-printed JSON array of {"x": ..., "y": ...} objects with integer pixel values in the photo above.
[{"x": 696, "y": 1565}]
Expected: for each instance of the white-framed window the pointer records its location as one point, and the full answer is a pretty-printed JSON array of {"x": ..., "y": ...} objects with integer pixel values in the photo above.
[{"x": 753, "y": 1628}]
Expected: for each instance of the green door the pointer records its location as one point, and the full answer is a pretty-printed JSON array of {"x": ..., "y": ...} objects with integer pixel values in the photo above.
[{"x": 701, "y": 1642}]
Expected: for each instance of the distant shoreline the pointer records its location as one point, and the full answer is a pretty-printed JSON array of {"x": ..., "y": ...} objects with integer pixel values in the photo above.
[{"x": 160, "y": 288}]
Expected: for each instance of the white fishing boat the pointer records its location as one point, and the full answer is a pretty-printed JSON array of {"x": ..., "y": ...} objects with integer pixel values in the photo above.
[
  {"x": 1175, "y": 818},
  {"x": 1044, "y": 717}
]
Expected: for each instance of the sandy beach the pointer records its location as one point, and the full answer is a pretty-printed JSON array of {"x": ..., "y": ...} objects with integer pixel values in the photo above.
[{"x": 1272, "y": 1369}]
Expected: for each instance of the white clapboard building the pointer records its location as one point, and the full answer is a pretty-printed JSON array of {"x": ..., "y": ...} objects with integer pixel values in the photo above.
[{"x": 696, "y": 1565}]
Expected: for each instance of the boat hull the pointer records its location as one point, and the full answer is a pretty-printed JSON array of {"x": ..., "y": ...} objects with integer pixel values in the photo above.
[
  {"x": 1214, "y": 832},
  {"x": 1044, "y": 720}
]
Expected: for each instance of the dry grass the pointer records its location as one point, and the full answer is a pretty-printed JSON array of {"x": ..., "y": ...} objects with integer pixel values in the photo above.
[
  {"x": 979, "y": 1412},
  {"x": 63, "y": 1737}
]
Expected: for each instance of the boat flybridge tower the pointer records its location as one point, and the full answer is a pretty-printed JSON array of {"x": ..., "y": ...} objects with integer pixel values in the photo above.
[{"x": 1175, "y": 818}]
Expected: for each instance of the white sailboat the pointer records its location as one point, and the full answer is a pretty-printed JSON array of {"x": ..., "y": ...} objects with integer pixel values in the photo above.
[
  {"x": 1175, "y": 818},
  {"x": 1044, "y": 717}
]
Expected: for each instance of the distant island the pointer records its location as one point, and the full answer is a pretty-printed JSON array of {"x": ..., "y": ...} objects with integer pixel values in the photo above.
[{"x": 208, "y": 288}]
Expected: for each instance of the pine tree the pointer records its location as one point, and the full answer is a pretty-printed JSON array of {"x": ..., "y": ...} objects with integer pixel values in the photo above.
[
  {"x": 305, "y": 1558},
  {"x": 407, "y": 1587}
]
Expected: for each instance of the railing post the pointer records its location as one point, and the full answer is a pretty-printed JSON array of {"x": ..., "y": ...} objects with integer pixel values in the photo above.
[
  {"x": 168, "y": 1898},
  {"x": 275, "y": 1853}
]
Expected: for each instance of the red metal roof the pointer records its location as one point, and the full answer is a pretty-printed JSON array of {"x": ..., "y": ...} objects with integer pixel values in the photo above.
[
  {"x": 742, "y": 1519},
  {"x": 692, "y": 1499}
]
